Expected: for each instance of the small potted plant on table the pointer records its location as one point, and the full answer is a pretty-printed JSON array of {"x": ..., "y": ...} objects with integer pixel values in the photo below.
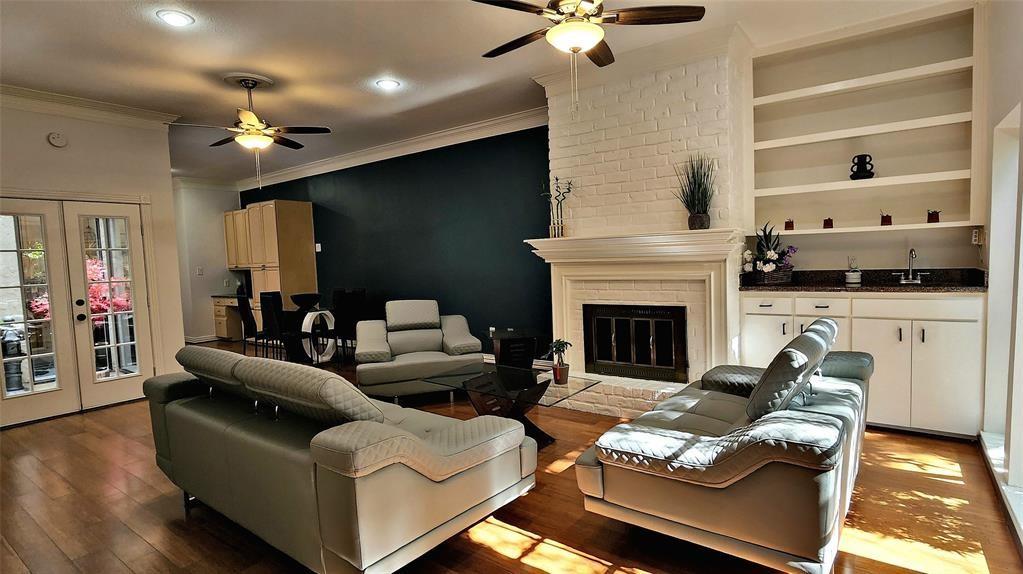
[
  {"x": 558, "y": 349},
  {"x": 770, "y": 264}
]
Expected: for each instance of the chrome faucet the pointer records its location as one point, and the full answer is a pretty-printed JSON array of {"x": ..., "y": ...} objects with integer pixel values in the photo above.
[{"x": 909, "y": 279}]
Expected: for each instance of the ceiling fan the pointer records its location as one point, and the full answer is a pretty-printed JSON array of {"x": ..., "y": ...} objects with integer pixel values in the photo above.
[
  {"x": 251, "y": 131},
  {"x": 577, "y": 24}
]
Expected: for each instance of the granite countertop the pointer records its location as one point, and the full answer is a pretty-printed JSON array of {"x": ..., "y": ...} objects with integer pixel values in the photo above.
[
  {"x": 880, "y": 281},
  {"x": 226, "y": 296}
]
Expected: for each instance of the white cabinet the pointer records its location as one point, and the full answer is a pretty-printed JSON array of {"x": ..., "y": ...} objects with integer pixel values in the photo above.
[
  {"x": 928, "y": 364},
  {"x": 947, "y": 375},
  {"x": 890, "y": 393},
  {"x": 763, "y": 336}
]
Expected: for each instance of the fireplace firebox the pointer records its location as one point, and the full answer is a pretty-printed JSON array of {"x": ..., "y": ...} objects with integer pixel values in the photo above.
[{"x": 637, "y": 341}]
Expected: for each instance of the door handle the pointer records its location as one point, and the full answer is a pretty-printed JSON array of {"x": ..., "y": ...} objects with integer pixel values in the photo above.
[
  {"x": 765, "y": 305},
  {"x": 900, "y": 334},
  {"x": 783, "y": 328},
  {"x": 802, "y": 327},
  {"x": 81, "y": 317},
  {"x": 923, "y": 335},
  {"x": 822, "y": 306}
]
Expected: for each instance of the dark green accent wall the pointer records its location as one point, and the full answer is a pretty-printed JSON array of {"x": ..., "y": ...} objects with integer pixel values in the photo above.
[{"x": 445, "y": 224}]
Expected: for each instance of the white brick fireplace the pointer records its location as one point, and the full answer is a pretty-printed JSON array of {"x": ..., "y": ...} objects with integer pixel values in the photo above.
[{"x": 626, "y": 240}]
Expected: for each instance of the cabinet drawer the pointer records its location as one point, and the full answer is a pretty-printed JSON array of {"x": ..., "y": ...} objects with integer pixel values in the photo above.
[
  {"x": 767, "y": 305},
  {"x": 959, "y": 309},
  {"x": 823, "y": 307},
  {"x": 224, "y": 302},
  {"x": 219, "y": 311},
  {"x": 220, "y": 327}
]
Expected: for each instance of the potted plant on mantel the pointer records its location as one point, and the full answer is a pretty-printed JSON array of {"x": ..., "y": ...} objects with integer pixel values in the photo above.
[
  {"x": 696, "y": 189},
  {"x": 769, "y": 264},
  {"x": 558, "y": 349}
]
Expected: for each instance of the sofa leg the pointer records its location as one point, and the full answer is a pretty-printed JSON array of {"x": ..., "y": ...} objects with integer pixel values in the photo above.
[
  {"x": 451, "y": 397},
  {"x": 188, "y": 501}
]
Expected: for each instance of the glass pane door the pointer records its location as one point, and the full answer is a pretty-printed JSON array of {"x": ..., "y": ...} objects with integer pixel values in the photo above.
[
  {"x": 36, "y": 343},
  {"x": 109, "y": 300}
]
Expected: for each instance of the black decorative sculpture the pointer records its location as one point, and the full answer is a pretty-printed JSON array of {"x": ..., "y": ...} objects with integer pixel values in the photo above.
[{"x": 862, "y": 168}]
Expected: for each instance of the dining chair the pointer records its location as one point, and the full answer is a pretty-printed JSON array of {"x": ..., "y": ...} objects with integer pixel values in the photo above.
[
  {"x": 249, "y": 328},
  {"x": 271, "y": 309}
]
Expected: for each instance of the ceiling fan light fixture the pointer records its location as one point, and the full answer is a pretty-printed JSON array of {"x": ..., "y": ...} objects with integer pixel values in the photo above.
[
  {"x": 254, "y": 141},
  {"x": 575, "y": 35},
  {"x": 175, "y": 18}
]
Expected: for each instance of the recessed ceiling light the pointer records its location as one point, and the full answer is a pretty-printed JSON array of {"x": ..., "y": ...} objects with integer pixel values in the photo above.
[
  {"x": 175, "y": 18},
  {"x": 388, "y": 84}
]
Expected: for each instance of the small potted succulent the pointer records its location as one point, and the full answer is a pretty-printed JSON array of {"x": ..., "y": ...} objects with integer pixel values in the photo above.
[
  {"x": 696, "y": 189},
  {"x": 558, "y": 349},
  {"x": 769, "y": 264}
]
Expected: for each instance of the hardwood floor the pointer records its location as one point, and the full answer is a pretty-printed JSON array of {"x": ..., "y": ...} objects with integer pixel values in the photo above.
[{"x": 83, "y": 494}]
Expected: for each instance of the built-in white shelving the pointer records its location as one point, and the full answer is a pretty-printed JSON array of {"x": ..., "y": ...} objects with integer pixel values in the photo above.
[
  {"x": 906, "y": 95},
  {"x": 914, "y": 124},
  {"x": 902, "y": 227},
  {"x": 852, "y": 185},
  {"x": 865, "y": 82}
]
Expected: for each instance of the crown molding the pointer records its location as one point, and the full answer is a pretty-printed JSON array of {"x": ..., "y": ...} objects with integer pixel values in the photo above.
[
  {"x": 27, "y": 100},
  {"x": 667, "y": 54},
  {"x": 517, "y": 121},
  {"x": 203, "y": 184}
]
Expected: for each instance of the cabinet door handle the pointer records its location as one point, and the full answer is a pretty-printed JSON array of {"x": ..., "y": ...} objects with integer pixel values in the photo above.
[
  {"x": 923, "y": 335},
  {"x": 783, "y": 328},
  {"x": 802, "y": 327},
  {"x": 822, "y": 306},
  {"x": 765, "y": 305},
  {"x": 900, "y": 334}
]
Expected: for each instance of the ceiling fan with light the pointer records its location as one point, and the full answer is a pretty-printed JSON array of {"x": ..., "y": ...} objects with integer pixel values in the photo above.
[
  {"x": 252, "y": 132},
  {"x": 577, "y": 27}
]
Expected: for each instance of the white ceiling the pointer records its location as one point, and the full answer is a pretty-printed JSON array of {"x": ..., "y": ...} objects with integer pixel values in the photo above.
[{"x": 325, "y": 56}]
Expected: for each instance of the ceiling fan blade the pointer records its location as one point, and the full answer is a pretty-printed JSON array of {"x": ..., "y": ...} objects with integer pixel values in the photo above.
[
  {"x": 601, "y": 54},
  {"x": 300, "y": 130},
  {"x": 513, "y": 5},
  {"x": 516, "y": 43},
  {"x": 205, "y": 126},
  {"x": 654, "y": 15},
  {"x": 250, "y": 119},
  {"x": 226, "y": 140},
  {"x": 287, "y": 143}
]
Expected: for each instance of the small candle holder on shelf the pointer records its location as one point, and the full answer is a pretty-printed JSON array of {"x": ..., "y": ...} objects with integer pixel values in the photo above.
[
  {"x": 790, "y": 225},
  {"x": 933, "y": 216},
  {"x": 829, "y": 223},
  {"x": 886, "y": 218}
]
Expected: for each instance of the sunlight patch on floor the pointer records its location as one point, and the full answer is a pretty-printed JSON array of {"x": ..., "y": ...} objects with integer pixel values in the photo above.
[
  {"x": 911, "y": 554},
  {"x": 541, "y": 553},
  {"x": 564, "y": 463},
  {"x": 925, "y": 464}
]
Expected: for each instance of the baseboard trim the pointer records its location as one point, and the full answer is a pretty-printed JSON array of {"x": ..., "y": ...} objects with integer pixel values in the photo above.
[
  {"x": 201, "y": 339},
  {"x": 991, "y": 445}
]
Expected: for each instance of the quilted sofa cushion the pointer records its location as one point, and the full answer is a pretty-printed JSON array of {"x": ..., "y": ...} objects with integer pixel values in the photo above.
[
  {"x": 412, "y": 314},
  {"x": 791, "y": 370},
  {"x": 697, "y": 411},
  {"x": 214, "y": 367},
  {"x": 306, "y": 391},
  {"x": 413, "y": 366},
  {"x": 415, "y": 340},
  {"x": 732, "y": 379}
]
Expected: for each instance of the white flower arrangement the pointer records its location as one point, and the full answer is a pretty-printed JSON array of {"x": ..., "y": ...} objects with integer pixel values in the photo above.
[
  {"x": 768, "y": 267},
  {"x": 747, "y": 256},
  {"x": 771, "y": 255},
  {"x": 747, "y": 267}
]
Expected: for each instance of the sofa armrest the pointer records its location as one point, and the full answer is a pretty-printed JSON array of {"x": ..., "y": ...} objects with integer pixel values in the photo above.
[
  {"x": 360, "y": 448},
  {"x": 371, "y": 342},
  {"x": 804, "y": 439},
  {"x": 848, "y": 365},
  {"x": 732, "y": 379},
  {"x": 457, "y": 338},
  {"x": 163, "y": 389}
]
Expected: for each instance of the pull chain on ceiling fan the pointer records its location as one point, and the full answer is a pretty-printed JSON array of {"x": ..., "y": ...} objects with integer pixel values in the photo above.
[
  {"x": 250, "y": 131},
  {"x": 577, "y": 27}
]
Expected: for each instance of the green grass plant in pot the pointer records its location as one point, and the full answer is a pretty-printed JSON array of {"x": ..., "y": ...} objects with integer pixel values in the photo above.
[
  {"x": 558, "y": 349},
  {"x": 696, "y": 188}
]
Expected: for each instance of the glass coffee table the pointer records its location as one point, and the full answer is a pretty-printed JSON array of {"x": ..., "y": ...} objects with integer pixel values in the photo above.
[{"x": 512, "y": 391}]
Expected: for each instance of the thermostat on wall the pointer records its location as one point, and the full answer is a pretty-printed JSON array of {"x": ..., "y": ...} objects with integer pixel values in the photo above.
[{"x": 56, "y": 139}]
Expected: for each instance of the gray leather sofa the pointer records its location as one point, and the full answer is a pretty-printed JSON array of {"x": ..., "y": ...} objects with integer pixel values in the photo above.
[
  {"x": 338, "y": 481},
  {"x": 414, "y": 342},
  {"x": 758, "y": 463}
]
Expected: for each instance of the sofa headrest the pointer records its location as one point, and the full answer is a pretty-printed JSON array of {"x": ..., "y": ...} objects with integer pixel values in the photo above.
[
  {"x": 412, "y": 314},
  {"x": 791, "y": 370},
  {"x": 306, "y": 391},
  {"x": 214, "y": 367}
]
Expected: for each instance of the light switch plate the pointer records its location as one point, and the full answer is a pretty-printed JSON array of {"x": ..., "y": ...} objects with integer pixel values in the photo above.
[
  {"x": 198, "y": 271},
  {"x": 319, "y": 248}
]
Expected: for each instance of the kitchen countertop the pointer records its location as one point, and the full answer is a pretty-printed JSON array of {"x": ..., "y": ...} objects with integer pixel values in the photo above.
[{"x": 965, "y": 280}]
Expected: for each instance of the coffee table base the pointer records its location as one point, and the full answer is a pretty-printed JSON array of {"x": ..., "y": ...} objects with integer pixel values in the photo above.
[{"x": 489, "y": 404}]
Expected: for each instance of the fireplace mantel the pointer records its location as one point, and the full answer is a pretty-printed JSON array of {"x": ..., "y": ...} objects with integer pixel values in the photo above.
[{"x": 703, "y": 245}]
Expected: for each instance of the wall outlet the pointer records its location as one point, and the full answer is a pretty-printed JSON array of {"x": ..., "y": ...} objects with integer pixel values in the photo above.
[
  {"x": 319, "y": 248},
  {"x": 978, "y": 237},
  {"x": 227, "y": 282},
  {"x": 198, "y": 271}
]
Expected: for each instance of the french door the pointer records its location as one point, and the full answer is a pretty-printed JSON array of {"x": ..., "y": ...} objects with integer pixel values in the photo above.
[{"x": 74, "y": 322}]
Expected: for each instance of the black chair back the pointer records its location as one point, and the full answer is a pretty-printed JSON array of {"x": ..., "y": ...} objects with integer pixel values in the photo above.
[
  {"x": 515, "y": 351},
  {"x": 271, "y": 309},
  {"x": 248, "y": 319}
]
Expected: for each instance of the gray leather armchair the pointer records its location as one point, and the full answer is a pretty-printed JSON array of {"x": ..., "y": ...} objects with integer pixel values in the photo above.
[
  {"x": 759, "y": 463},
  {"x": 340, "y": 482},
  {"x": 414, "y": 342}
]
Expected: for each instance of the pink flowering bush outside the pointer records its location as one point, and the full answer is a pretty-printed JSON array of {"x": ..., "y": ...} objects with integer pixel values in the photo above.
[{"x": 100, "y": 301}]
